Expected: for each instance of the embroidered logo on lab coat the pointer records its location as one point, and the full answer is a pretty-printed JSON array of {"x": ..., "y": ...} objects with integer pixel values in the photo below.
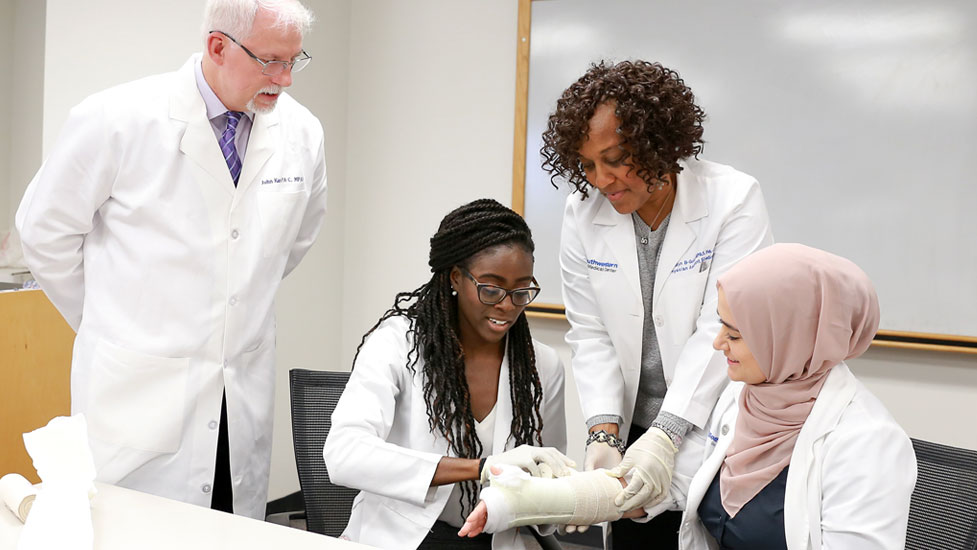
[
  {"x": 698, "y": 263},
  {"x": 596, "y": 265}
]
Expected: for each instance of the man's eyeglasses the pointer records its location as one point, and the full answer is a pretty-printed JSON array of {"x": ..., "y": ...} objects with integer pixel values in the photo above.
[
  {"x": 492, "y": 294},
  {"x": 274, "y": 68}
]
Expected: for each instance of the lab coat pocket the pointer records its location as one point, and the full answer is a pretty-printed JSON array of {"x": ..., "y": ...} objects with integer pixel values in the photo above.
[
  {"x": 280, "y": 211},
  {"x": 138, "y": 399}
]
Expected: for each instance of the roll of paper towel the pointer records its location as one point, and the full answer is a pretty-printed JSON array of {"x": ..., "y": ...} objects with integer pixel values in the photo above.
[{"x": 18, "y": 494}]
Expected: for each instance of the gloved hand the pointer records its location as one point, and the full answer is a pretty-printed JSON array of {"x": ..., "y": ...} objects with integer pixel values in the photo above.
[
  {"x": 651, "y": 459},
  {"x": 598, "y": 455},
  {"x": 538, "y": 461},
  {"x": 601, "y": 455}
]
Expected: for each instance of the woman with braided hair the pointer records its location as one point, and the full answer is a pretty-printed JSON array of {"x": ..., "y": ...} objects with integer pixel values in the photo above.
[{"x": 447, "y": 383}]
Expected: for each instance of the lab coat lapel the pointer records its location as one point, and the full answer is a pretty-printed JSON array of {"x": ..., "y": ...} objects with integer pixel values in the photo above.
[
  {"x": 802, "y": 498},
  {"x": 503, "y": 408},
  {"x": 199, "y": 143},
  {"x": 617, "y": 231},
  {"x": 261, "y": 147},
  {"x": 690, "y": 205}
]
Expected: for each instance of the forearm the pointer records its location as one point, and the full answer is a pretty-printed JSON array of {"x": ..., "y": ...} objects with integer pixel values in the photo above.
[
  {"x": 453, "y": 470},
  {"x": 609, "y": 427}
]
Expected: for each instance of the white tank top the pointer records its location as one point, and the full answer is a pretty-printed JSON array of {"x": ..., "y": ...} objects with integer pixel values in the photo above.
[{"x": 454, "y": 513}]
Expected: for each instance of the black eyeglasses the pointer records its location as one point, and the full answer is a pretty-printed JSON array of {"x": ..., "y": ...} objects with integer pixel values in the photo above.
[
  {"x": 492, "y": 294},
  {"x": 274, "y": 68}
]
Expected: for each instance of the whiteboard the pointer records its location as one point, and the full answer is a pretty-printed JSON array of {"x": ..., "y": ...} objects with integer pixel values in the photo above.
[{"x": 859, "y": 120}]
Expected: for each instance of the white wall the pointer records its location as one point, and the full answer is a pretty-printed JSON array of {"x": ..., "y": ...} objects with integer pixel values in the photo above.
[
  {"x": 431, "y": 103},
  {"x": 309, "y": 306},
  {"x": 932, "y": 395},
  {"x": 7, "y": 54},
  {"x": 95, "y": 44},
  {"x": 26, "y": 104}
]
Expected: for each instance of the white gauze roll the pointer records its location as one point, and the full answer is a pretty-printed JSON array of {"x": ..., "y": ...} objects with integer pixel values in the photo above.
[
  {"x": 18, "y": 494},
  {"x": 583, "y": 498}
]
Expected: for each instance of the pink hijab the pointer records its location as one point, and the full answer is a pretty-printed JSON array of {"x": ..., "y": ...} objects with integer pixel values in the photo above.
[{"x": 801, "y": 311}]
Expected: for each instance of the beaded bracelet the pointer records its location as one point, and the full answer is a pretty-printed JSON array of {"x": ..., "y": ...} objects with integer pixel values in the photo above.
[{"x": 604, "y": 437}]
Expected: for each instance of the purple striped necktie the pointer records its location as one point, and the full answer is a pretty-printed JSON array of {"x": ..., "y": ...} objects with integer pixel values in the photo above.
[{"x": 227, "y": 146}]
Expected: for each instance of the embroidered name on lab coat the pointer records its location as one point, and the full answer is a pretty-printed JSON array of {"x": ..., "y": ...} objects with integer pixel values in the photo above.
[
  {"x": 699, "y": 262},
  {"x": 596, "y": 265},
  {"x": 283, "y": 179}
]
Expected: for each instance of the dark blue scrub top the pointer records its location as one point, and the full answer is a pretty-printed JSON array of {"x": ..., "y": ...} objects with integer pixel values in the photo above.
[{"x": 759, "y": 525}]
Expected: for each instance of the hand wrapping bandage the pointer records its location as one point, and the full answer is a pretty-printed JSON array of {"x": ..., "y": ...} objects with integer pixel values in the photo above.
[
  {"x": 650, "y": 461},
  {"x": 515, "y": 498}
]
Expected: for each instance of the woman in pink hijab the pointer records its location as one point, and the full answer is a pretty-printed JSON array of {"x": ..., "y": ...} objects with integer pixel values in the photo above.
[
  {"x": 805, "y": 457},
  {"x": 801, "y": 455}
]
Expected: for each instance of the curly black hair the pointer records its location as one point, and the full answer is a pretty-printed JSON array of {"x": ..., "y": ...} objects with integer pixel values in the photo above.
[
  {"x": 465, "y": 233},
  {"x": 660, "y": 122}
]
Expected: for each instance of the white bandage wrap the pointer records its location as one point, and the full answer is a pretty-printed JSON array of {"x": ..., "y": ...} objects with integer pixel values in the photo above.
[{"x": 583, "y": 498}]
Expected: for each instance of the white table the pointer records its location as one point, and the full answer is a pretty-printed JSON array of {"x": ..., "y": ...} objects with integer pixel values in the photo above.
[{"x": 124, "y": 519}]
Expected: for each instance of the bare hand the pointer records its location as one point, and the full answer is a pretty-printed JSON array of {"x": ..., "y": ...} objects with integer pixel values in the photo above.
[{"x": 475, "y": 522}]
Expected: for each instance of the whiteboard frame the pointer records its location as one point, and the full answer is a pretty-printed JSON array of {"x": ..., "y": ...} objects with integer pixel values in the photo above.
[{"x": 884, "y": 338}]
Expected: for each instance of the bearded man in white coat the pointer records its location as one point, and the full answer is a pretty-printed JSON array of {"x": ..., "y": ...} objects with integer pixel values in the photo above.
[{"x": 160, "y": 226}]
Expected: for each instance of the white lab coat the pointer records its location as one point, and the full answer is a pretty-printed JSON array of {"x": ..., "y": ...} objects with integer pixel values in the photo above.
[
  {"x": 851, "y": 476},
  {"x": 168, "y": 273},
  {"x": 380, "y": 441},
  {"x": 718, "y": 218}
]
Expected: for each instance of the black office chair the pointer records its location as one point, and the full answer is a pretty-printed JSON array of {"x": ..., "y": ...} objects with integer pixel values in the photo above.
[
  {"x": 943, "y": 511},
  {"x": 314, "y": 395}
]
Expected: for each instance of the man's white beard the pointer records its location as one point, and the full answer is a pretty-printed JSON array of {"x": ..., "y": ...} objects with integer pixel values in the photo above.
[{"x": 253, "y": 105}]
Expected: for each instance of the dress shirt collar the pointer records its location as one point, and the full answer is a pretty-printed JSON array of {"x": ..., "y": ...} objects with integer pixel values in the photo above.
[{"x": 215, "y": 107}]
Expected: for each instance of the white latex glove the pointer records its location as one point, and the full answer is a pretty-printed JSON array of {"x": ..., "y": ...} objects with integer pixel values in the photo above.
[
  {"x": 538, "y": 461},
  {"x": 651, "y": 460},
  {"x": 601, "y": 455},
  {"x": 598, "y": 455}
]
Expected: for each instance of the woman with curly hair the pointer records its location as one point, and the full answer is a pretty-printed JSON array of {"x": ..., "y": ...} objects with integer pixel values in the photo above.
[
  {"x": 446, "y": 383},
  {"x": 647, "y": 232}
]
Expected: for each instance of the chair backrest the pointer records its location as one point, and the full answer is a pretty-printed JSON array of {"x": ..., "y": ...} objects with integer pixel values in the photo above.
[
  {"x": 943, "y": 511},
  {"x": 314, "y": 395}
]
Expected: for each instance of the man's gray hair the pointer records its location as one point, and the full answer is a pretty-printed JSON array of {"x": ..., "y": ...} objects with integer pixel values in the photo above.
[{"x": 236, "y": 17}]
